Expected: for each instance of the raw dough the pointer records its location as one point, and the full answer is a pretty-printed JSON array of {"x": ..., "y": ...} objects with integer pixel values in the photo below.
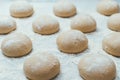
[
  {"x": 84, "y": 23},
  {"x": 64, "y": 9},
  {"x": 114, "y": 22},
  {"x": 42, "y": 66},
  {"x": 111, "y": 44},
  {"x": 21, "y": 9},
  {"x": 7, "y": 25},
  {"x": 108, "y": 7},
  {"x": 16, "y": 45},
  {"x": 46, "y": 24},
  {"x": 72, "y": 41},
  {"x": 97, "y": 67}
]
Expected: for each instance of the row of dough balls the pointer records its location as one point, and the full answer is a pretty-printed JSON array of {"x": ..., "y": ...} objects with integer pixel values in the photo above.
[
  {"x": 21, "y": 9},
  {"x": 71, "y": 41},
  {"x": 74, "y": 41},
  {"x": 46, "y": 24},
  {"x": 45, "y": 66}
]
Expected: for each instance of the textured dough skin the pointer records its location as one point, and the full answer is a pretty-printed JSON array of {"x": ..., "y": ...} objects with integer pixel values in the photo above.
[
  {"x": 113, "y": 22},
  {"x": 97, "y": 67},
  {"x": 84, "y": 23},
  {"x": 72, "y": 41},
  {"x": 7, "y": 25},
  {"x": 64, "y": 9},
  {"x": 43, "y": 66},
  {"x": 21, "y": 9},
  {"x": 16, "y": 45},
  {"x": 46, "y": 25},
  {"x": 111, "y": 44},
  {"x": 108, "y": 7}
]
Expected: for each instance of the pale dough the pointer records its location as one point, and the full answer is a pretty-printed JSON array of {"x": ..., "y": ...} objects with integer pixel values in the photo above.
[
  {"x": 84, "y": 23},
  {"x": 108, "y": 7},
  {"x": 45, "y": 24},
  {"x": 43, "y": 66},
  {"x": 72, "y": 41},
  {"x": 7, "y": 25},
  {"x": 114, "y": 22},
  {"x": 16, "y": 45},
  {"x": 111, "y": 44},
  {"x": 21, "y": 9},
  {"x": 97, "y": 67},
  {"x": 64, "y": 9}
]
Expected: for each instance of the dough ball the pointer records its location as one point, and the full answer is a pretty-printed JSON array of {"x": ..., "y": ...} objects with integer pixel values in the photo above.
[
  {"x": 108, "y": 7},
  {"x": 111, "y": 44},
  {"x": 7, "y": 25},
  {"x": 46, "y": 25},
  {"x": 64, "y": 9},
  {"x": 113, "y": 22},
  {"x": 21, "y": 9},
  {"x": 16, "y": 45},
  {"x": 42, "y": 66},
  {"x": 97, "y": 67},
  {"x": 84, "y": 23},
  {"x": 72, "y": 41}
]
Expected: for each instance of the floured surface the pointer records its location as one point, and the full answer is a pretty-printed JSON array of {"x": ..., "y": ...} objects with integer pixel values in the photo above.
[{"x": 12, "y": 68}]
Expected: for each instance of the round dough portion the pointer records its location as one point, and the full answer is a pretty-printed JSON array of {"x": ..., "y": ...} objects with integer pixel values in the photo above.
[
  {"x": 84, "y": 23},
  {"x": 97, "y": 67},
  {"x": 21, "y": 9},
  {"x": 45, "y": 25},
  {"x": 7, "y": 25},
  {"x": 72, "y": 41},
  {"x": 64, "y": 9},
  {"x": 111, "y": 44},
  {"x": 113, "y": 22},
  {"x": 42, "y": 66},
  {"x": 108, "y": 7},
  {"x": 16, "y": 45}
]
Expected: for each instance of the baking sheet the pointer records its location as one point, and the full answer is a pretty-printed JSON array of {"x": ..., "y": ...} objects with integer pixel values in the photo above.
[{"x": 12, "y": 68}]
